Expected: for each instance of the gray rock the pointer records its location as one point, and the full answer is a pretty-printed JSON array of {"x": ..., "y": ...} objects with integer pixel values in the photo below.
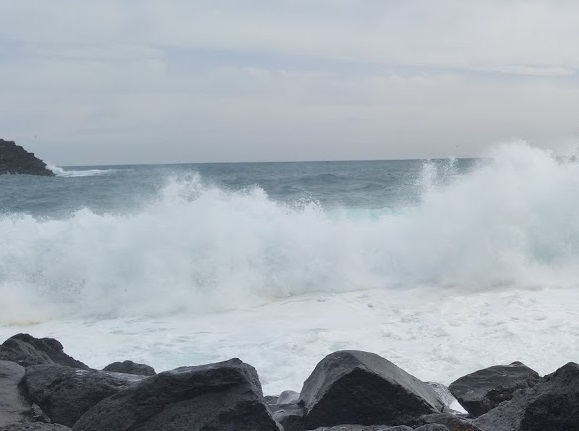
[
  {"x": 353, "y": 387},
  {"x": 14, "y": 407},
  {"x": 65, "y": 393},
  {"x": 270, "y": 399},
  {"x": 432, "y": 427},
  {"x": 290, "y": 416},
  {"x": 286, "y": 410},
  {"x": 27, "y": 350},
  {"x": 22, "y": 353},
  {"x": 452, "y": 422},
  {"x": 130, "y": 367},
  {"x": 365, "y": 428},
  {"x": 288, "y": 397},
  {"x": 444, "y": 394},
  {"x": 16, "y": 160},
  {"x": 485, "y": 389},
  {"x": 34, "y": 427},
  {"x": 225, "y": 396},
  {"x": 552, "y": 404}
]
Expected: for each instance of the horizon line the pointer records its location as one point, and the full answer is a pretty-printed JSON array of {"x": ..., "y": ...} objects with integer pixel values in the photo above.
[{"x": 270, "y": 162}]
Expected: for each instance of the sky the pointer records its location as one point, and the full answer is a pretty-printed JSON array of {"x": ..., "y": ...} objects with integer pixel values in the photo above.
[{"x": 169, "y": 81}]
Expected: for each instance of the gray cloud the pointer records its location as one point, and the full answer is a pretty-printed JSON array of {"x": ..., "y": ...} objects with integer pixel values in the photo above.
[{"x": 150, "y": 81}]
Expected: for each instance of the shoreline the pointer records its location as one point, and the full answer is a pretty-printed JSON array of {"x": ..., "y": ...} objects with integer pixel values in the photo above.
[
  {"x": 431, "y": 336},
  {"x": 41, "y": 385}
]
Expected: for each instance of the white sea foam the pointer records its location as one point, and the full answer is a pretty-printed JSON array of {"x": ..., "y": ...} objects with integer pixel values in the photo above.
[
  {"x": 435, "y": 334},
  {"x": 513, "y": 221},
  {"x": 68, "y": 173}
]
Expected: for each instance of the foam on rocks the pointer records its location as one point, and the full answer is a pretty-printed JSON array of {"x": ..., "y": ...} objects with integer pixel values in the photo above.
[{"x": 44, "y": 389}]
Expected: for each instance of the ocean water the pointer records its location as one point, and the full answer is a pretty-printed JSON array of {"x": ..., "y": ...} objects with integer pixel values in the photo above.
[{"x": 441, "y": 266}]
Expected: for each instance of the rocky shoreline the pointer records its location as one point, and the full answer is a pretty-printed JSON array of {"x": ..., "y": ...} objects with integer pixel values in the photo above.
[
  {"x": 16, "y": 160},
  {"x": 43, "y": 388}
]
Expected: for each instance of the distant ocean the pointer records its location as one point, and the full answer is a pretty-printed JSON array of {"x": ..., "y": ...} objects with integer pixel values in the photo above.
[{"x": 441, "y": 266}]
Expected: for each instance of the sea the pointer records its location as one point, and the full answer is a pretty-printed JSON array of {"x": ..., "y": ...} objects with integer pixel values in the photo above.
[{"x": 441, "y": 266}]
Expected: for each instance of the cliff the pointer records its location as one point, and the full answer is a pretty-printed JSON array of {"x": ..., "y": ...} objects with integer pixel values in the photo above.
[{"x": 16, "y": 160}]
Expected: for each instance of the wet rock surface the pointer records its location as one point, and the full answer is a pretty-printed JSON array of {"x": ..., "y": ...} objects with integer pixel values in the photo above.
[
  {"x": 130, "y": 367},
  {"x": 26, "y": 350},
  {"x": 552, "y": 404},
  {"x": 16, "y": 160},
  {"x": 65, "y": 393},
  {"x": 347, "y": 391},
  {"x": 34, "y": 427},
  {"x": 14, "y": 407},
  {"x": 365, "y": 428},
  {"x": 483, "y": 390},
  {"x": 223, "y": 396},
  {"x": 451, "y": 421},
  {"x": 354, "y": 387}
]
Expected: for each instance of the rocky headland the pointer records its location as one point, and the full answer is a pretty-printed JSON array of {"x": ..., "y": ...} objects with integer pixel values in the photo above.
[
  {"x": 16, "y": 160},
  {"x": 43, "y": 388}
]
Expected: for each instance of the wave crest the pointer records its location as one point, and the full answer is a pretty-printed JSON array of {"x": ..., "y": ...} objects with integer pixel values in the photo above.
[
  {"x": 69, "y": 173},
  {"x": 513, "y": 220}
]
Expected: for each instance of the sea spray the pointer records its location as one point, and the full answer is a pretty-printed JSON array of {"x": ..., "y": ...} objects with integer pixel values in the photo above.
[
  {"x": 510, "y": 222},
  {"x": 72, "y": 173}
]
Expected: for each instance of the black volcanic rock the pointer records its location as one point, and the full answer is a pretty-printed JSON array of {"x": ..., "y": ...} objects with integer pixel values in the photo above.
[
  {"x": 353, "y": 387},
  {"x": 22, "y": 353},
  {"x": 225, "y": 396},
  {"x": 286, "y": 410},
  {"x": 130, "y": 367},
  {"x": 34, "y": 427},
  {"x": 444, "y": 395},
  {"x": 14, "y": 407},
  {"x": 27, "y": 350},
  {"x": 65, "y": 393},
  {"x": 289, "y": 416},
  {"x": 452, "y": 422},
  {"x": 365, "y": 428},
  {"x": 432, "y": 427},
  {"x": 485, "y": 389},
  {"x": 16, "y": 160},
  {"x": 552, "y": 404}
]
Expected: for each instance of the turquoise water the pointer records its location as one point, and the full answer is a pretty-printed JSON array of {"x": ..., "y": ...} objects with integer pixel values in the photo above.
[{"x": 118, "y": 189}]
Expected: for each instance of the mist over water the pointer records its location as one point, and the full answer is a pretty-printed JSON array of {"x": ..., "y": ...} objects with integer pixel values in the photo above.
[{"x": 192, "y": 243}]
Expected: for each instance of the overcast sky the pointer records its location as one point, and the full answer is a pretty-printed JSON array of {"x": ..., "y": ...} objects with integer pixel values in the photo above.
[{"x": 159, "y": 81}]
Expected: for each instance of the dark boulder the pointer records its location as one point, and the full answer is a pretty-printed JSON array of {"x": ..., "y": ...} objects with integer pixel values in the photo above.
[
  {"x": 130, "y": 367},
  {"x": 288, "y": 397},
  {"x": 65, "y": 393},
  {"x": 365, "y": 428},
  {"x": 444, "y": 395},
  {"x": 353, "y": 387},
  {"x": 432, "y": 427},
  {"x": 225, "y": 396},
  {"x": 290, "y": 416},
  {"x": 552, "y": 404},
  {"x": 452, "y": 422},
  {"x": 270, "y": 399},
  {"x": 22, "y": 353},
  {"x": 16, "y": 160},
  {"x": 34, "y": 427},
  {"x": 14, "y": 407},
  {"x": 286, "y": 410},
  {"x": 27, "y": 350},
  {"x": 483, "y": 390}
]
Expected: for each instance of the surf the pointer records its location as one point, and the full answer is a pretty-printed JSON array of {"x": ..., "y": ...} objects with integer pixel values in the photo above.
[{"x": 510, "y": 222}]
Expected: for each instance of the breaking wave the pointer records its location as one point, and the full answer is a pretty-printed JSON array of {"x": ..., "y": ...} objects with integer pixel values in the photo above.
[
  {"x": 511, "y": 221},
  {"x": 69, "y": 173}
]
